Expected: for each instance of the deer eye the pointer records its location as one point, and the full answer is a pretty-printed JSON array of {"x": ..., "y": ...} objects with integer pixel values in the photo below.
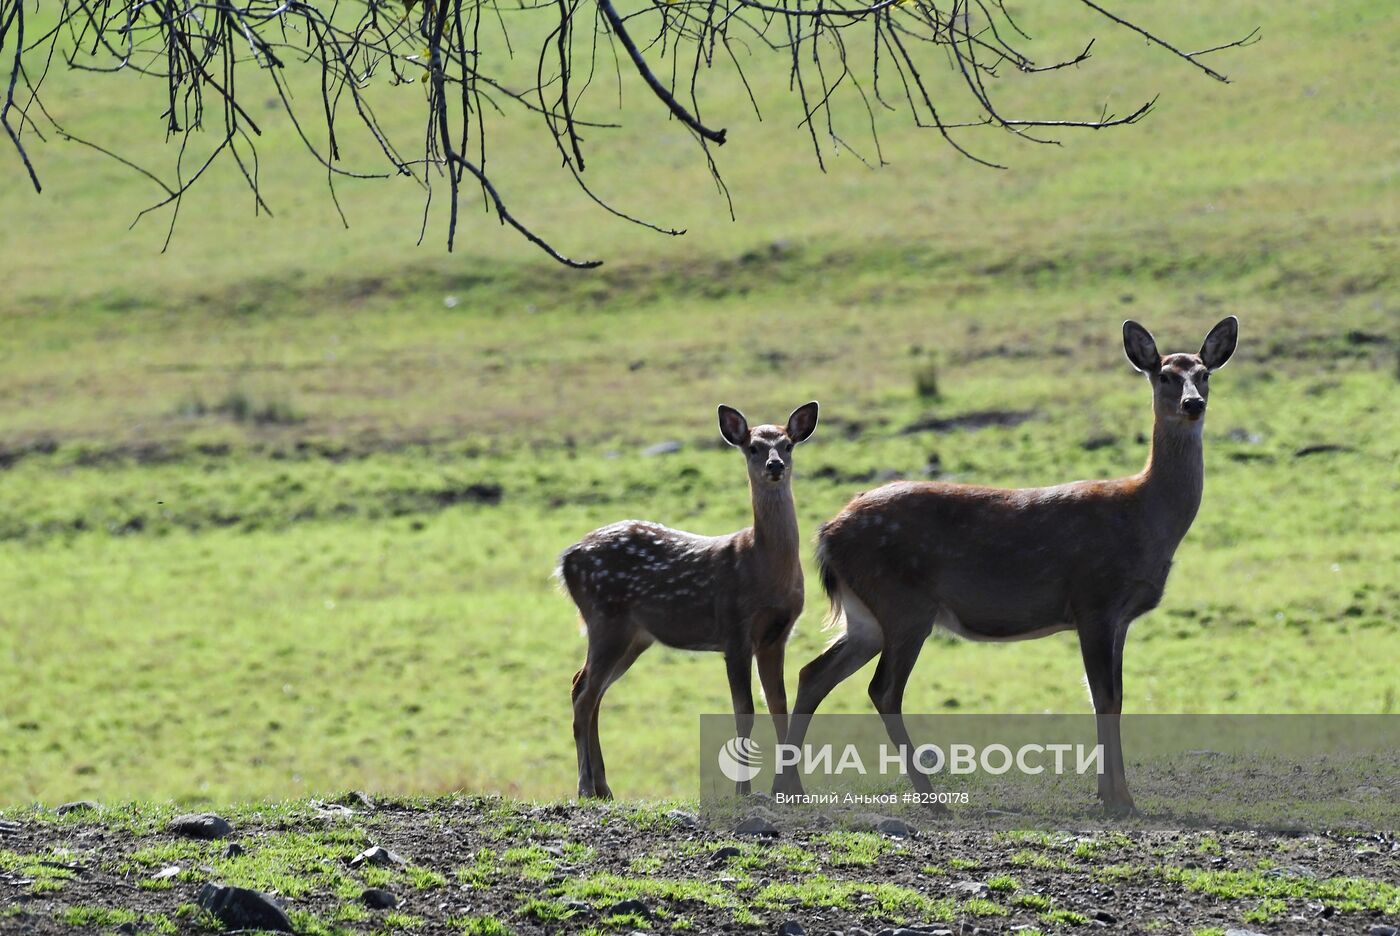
[
  {"x": 787, "y": 447},
  {"x": 753, "y": 449},
  {"x": 1163, "y": 377}
]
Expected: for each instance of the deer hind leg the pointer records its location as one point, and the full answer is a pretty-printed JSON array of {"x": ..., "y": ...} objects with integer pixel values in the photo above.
[
  {"x": 607, "y": 645},
  {"x": 848, "y": 653},
  {"x": 1101, "y": 645},
  {"x": 595, "y": 749},
  {"x": 887, "y": 689}
]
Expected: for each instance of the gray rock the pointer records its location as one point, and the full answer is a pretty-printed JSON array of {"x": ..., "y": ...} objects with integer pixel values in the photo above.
[
  {"x": 357, "y": 798},
  {"x": 166, "y": 873},
  {"x": 85, "y": 805},
  {"x": 722, "y": 855},
  {"x": 756, "y": 825},
  {"x": 239, "y": 908},
  {"x": 377, "y": 898},
  {"x": 1380, "y": 929},
  {"x": 200, "y": 826},
  {"x": 578, "y": 907},
  {"x": 233, "y": 850},
  {"x": 1103, "y": 916},
  {"x": 791, "y": 928},
  {"x": 1242, "y": 932},
  {"x": 975, "y": 888},
  {"x": 633, "y": 906},
  {"x": 662, "y": 448},
  {"x": 857, "y": 931},
  {"x": 8, "y": 828},
  {"x": 376, "y": 855},
  {"x": 895, "y": 828},
  {"x": 683, "y": 819},
  {"x": 1286, "y": 871}
]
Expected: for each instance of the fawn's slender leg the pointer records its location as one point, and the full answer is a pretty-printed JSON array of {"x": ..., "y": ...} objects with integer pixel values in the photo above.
[
  {"x": 738, "y": 661},
  {"x": 770, "y": 677},
  {"x": 606, "y": 646},
  {"x": 600, "y": 779}
]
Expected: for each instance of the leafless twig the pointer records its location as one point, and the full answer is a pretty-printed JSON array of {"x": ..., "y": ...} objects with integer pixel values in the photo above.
[{"x": 210, "y": 56}]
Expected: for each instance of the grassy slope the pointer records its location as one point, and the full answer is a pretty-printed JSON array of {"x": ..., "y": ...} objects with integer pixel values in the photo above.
[{"x": 205, "y": 608}]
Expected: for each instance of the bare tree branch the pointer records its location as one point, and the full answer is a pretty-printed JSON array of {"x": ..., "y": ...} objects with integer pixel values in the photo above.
[{"x": 209, "y": 56}]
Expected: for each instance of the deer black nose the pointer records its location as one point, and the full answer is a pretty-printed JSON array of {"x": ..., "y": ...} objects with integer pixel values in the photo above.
[
  {"x": 775, "y": 468},
  {"x": 1194, "y": 406}
]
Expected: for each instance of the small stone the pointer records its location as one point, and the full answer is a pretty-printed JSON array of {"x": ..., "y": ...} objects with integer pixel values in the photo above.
[
  {"x": 1103, "y": 916},
  {"x": 377, "y": 898},
  {"x": 1242, "y": 932},
  {"x": 1380, "y": 929},
  {"x": 233, "y": 850},
  {"x": 8, "y": 828},
  {"x": 721, "y": 855},
  {"x": 662, "y": 448},
  {"x": 376, "y": 855},
  {"x": 894, "y": 828},
  {"x": 166, "y": 873},
  {"x": 791, "y": 928},
  {"x": 630, "y": 907},
  {"x": 200, "y": 826},
  {"x": 683, "y": 819},
  {"x": 239, "y": 908},
  {"x": 756, "y": 825},
  {"x": 578, "y": 907},
  {"x": 975, "y": 888},
  {"x": 358, "y": 798},
  {"x": 857, "y": 931},
  {"x": 1291, "y": 871},
  {"x": 85, "y": 805},
  {"x": 126, "y": 929}
]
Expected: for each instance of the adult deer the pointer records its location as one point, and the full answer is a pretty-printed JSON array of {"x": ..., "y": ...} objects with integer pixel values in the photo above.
[
  {"x": 636, "y": 583},
  {"x": 998, "y": 565}
]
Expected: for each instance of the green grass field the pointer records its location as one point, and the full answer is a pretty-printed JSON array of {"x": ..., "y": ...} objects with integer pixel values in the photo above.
[{"x": 276, "y": 517}]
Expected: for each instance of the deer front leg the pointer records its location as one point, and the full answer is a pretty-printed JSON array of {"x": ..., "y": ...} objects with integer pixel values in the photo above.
[
  {"x": 738, "y": 661},
  {"x": 770, "y": 677},
  {"x": 1102, "y": 648}
]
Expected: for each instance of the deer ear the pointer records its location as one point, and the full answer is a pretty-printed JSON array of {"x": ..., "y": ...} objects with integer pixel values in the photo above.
[
  {"x": 732, "y": 425},
  {"x": 1220, "y": 343},
  {"x": 1140, "y": 348},
  {"x": 802, "y": 423}
]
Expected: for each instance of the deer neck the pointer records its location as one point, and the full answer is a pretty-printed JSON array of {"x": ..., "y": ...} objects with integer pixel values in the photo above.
[
  {"x": 1174, "y": 478},
  {"x": 775, "y": 526}
]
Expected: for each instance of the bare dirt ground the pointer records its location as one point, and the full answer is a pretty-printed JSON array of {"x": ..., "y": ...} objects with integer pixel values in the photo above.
[{"x": 474, "y": 865}]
